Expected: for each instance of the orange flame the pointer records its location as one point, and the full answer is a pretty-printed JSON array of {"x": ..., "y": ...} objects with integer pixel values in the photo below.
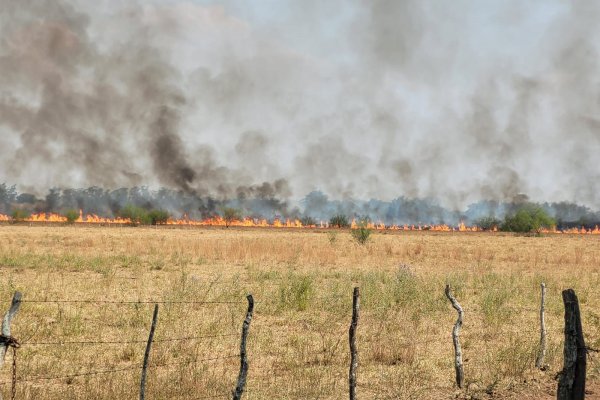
[{"x": 278, "y": 223}]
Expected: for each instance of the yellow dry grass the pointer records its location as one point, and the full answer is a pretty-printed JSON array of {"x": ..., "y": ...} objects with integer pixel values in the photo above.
[{"x": 302, "y": 282}]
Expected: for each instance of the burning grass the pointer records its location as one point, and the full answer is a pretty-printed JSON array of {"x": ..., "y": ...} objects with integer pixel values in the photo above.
[{"x": 302, "y": 281}]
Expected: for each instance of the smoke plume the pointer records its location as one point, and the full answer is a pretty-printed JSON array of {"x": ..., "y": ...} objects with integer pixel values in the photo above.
[{"x": 457, "y": 101}]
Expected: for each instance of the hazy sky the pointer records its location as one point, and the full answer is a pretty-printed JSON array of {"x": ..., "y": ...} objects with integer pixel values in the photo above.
[{"x": 457, "y": 100}]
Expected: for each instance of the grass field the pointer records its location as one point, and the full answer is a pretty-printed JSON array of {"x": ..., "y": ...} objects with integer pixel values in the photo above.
[{"x": 302, "y": 282}]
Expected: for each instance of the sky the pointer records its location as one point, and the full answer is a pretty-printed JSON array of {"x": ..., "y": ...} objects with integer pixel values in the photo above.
[{"x": 460, "y": 101}]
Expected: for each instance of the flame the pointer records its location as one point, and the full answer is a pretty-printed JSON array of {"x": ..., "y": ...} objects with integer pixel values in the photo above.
[
  {"x": 279, "y": 223},
  {"x": 43, "y": 217}
]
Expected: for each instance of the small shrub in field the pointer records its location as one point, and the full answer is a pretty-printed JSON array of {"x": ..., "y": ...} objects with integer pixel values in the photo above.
[
  {"x": 361, "y": 233},
  {"x": 71, "y": 216},
  {"x": 19, "y": 215},
  {"x": 231, "y": 214},
  {"x": 339, "y": 221},
  {"x": 296, "y": 292},
  {"x": 158, "y": 217}
]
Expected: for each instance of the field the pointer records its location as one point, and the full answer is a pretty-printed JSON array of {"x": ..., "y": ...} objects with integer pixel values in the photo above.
[{"x": 302, "y": 282}]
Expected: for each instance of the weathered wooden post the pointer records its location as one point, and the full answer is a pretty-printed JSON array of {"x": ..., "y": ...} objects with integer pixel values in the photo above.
[
  {"x": 352, "y": 340},
  {"x": 241, "y": 383},
  {"x": 147, "y": 353},
  {"x": 458, "y": 362},
  {"x": 539, "y": 362},
  {"x": 6, "y": 340},
  {"x": 571, "y": 384}
]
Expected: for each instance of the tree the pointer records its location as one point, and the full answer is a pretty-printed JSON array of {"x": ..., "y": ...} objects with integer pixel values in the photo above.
[
  {"x": 19, "y": 215},
  {"x": 231, "y": 214},
  {"x": 71, "y": 215},
  {"x": 339, "y": 221},
  {"x": 8, "y": 194},
  {"x": 158, "y": 217},
  {"x": 529, "y": 218},
  {"x": 137, "y": 215},
  {"x": 488, "y": 223},
  {"x": 308, "y": 221}
]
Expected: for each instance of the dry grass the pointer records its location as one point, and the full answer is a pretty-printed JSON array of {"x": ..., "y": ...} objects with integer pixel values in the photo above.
[{"x": 302, "y": 282}]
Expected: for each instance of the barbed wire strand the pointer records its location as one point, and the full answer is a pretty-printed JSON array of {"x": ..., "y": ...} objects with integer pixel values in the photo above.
[
  {"x": 91, "y": 342},
  {"x": 127, "y": 302},
  {"x": 116, "y": 370}
]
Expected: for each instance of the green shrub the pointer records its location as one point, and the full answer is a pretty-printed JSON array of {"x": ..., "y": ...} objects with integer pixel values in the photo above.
[
  {"x": 231, "y": 214},
  {"x": 71, "y": 215},
  {"x": 361, "y": 233},
  {"x": 158, "y": 217},
  {"x": 488, "y": 223},
  {"x": 137, "y": 215},
  {"x": 529, "y": 218},
  {"x": 339, "y": 221},
  {"x": 19, "y": 215}
]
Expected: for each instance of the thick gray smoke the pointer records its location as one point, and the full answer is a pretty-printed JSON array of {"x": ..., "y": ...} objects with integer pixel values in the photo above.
[{"x": 458, "y": 101}]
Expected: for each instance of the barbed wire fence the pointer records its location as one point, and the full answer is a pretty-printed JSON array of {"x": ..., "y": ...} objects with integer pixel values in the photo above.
[{"x": 574, "y": 369}]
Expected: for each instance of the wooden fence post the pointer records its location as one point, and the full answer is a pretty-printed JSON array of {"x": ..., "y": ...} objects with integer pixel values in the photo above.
[
  {"x": 539, "y": 362},
  {"x": 241, "y": 383},
  {"x": 352, "y": 340},
  {"x": 6, "y": 340},
  {"x": 147, "y": 353},
  {"x": 458, "y": 362},
  {"x": 571, "y": 384}
]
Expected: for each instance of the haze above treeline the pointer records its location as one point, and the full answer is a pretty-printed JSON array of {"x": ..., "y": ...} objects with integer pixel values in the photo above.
[{"x": 263, "y": 204}]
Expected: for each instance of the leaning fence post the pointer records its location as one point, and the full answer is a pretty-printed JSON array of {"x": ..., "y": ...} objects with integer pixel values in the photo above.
[
  {"x": 352, "y": 340},
  {"x": 571, "y": 385},
  {"x": 147, "y": 353},
  {"x": 6, "y": 340},
  {"x": 539, "y": 361},
  {"x": 458, "y": 363},
  {"x": 241, "y": 383}
]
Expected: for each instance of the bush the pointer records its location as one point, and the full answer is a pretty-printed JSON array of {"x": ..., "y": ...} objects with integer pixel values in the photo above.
[
  {"x": 231, "y": 214},
  {"x": 137, "y": 215},
  {"x": 308, "y": 221},
  {"x": 488, "y": 223},
  {"x": 19, "y": 215},
  {"x": 71, "y": 216},
  {"x": 530, "y": 218},
  {"x": 339, "y": 221},
  {"x": 158, "y": 217},
  {"x": 361, "y": 233}
]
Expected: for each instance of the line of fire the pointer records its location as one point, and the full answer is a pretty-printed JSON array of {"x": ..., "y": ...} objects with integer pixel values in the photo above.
[{"x": 275, "y": 223}]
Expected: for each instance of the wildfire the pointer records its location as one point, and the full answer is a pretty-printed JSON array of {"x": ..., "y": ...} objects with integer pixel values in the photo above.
[{"x": 276, "y": 223}]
